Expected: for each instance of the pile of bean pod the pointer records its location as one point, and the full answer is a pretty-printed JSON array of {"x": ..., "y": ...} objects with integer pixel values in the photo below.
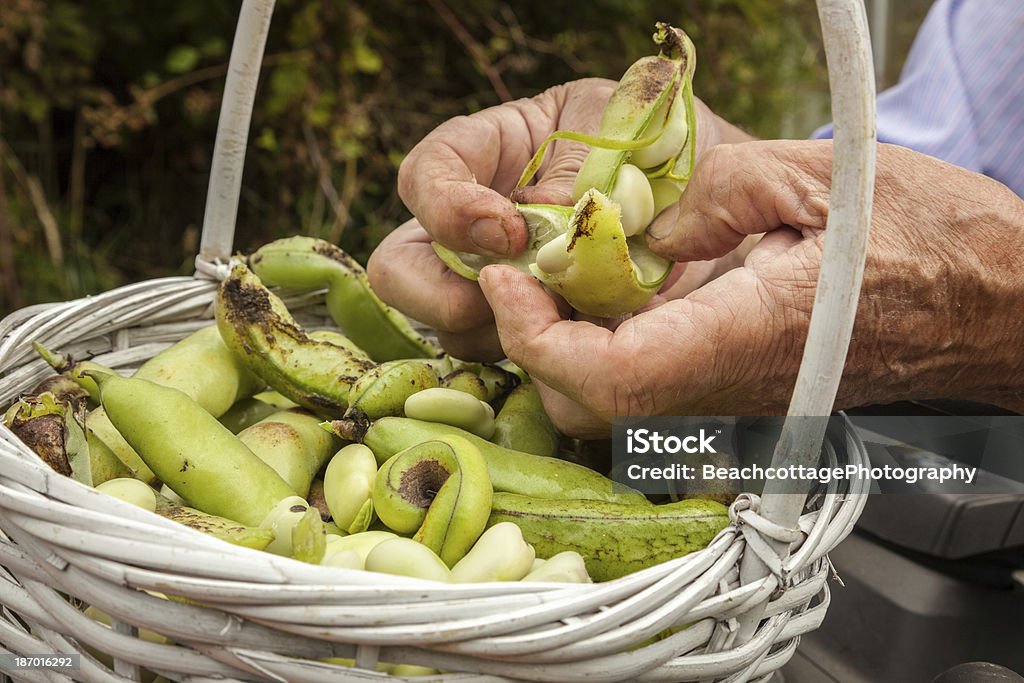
[{"x": 306, "y": 444}]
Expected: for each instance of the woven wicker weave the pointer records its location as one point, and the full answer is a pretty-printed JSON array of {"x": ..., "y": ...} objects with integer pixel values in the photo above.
[{"x": 246, "y": 615}]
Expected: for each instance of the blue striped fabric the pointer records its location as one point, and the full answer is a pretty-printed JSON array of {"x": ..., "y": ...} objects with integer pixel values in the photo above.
[{"x": 961, "y": 94}]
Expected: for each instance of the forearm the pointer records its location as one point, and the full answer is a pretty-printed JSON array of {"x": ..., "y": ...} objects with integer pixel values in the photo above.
[
  {"x": 999, "y": 311},
  {"x": 941, "y": 309}
]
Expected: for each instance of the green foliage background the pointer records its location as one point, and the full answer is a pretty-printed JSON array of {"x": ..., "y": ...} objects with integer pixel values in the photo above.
[{"x": 108, "y": 110}]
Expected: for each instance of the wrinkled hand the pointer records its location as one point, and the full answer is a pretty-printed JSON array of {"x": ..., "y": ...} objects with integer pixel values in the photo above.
[
  {"x": 458, "y": 182},
  {"x": 938, "y": 317}
]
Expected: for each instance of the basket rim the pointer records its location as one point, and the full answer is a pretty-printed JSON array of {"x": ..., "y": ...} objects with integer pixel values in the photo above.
[
  {"x": 280, "y": 588},
  {"x": 15, "y": 325}
]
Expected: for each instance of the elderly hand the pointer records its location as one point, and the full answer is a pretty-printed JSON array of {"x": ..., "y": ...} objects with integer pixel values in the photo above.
[
  {"x": 457, "y": 182},
  {"x": 939, "y": 312}
]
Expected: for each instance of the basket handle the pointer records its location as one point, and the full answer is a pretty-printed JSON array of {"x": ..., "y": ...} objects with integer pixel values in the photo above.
[
  {"x": 233, "y": 133},
  {"x": 851, "y": 77}
]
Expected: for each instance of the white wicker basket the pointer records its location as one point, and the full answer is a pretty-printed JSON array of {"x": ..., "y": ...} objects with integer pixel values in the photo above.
[{"x": 252, "y": 616}]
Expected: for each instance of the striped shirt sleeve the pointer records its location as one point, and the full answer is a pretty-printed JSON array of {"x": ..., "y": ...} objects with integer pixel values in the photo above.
[{"x": 961, "y": 94}]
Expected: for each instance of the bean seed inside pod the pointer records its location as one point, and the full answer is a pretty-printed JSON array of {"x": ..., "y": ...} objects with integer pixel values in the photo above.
[
  {"x": 554, "y": 257},
  {"x": 632, "y": 192}
]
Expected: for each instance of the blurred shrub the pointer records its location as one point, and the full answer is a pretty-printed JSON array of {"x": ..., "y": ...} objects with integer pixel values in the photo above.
[{"x": 108, "y": 110}]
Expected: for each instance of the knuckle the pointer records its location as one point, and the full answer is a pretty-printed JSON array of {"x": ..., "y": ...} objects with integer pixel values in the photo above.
[
  {"x": 378, "y": 271},
  {"x": 406, "y": 175},
  {"x": 470, "y": 346},
  {"x": 452, "y": 317}
]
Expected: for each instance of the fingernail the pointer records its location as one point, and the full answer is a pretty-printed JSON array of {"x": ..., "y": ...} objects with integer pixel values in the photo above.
[
  {"x": 488, "y": 272},
  {"x": 664, "y": 224},
  {"x": 536, "y": 194},
  {"x": 489, "y": 234}
]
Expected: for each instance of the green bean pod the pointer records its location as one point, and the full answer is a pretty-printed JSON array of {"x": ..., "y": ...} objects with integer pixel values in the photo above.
[
  {"x": 339, "y": 339},
  {"x": 246, "y": 413},
  {"x": 225, "y": 529},
  {"x": 438, "y": 489},
  {"x": 103, "y": 462},
  {"x": 383, "y": 390},
  {"x": 291, "y": 442},
  {"x": 522, "y": 424},
  {"x": 465, "y": 381},
  {"x": 509, "y": 471},
  {"x": 603, "y": 272},
  {"x": 488, "y": 383},
  {"x": 258, "y": 328},
  {"x": 309, "y": 538},
  {"x": 498, "y": 382},
  {"x": 199, "y": 365},
  {"x": 615, "y": 539},
  {"x": 309, "y": 263},
  {"x": 651, "y": 86},
  {"x": 191, "y": 452}
]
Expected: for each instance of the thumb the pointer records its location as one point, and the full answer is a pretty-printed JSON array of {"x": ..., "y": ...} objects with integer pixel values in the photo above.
[
  {"x": 535, "y": 336},
  {"x": 523, "y": 311},
  {"x": 745, "y": 189}
]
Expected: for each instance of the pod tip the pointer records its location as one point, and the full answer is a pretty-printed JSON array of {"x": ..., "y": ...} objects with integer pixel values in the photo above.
[
  {"x": 99, "y": 376},
  {"x": 349, "y": 430},
  {"x": 57, "y": 361}
]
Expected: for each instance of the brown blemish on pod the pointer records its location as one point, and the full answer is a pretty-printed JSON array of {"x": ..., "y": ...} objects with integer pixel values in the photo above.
[
  {"x": 349, "y": 429},
  {"x": 582, "y": 225},
  {"x": 45, "y": 435},
  {"x": 246, "y": 304},
  {"x": 421, "y": 482},
  {"x": 317, "y": 499},
  {"x": 335, "y": 253},
  {"x": 649, "y": 85},
  {"x": 249, "y": 305}
]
